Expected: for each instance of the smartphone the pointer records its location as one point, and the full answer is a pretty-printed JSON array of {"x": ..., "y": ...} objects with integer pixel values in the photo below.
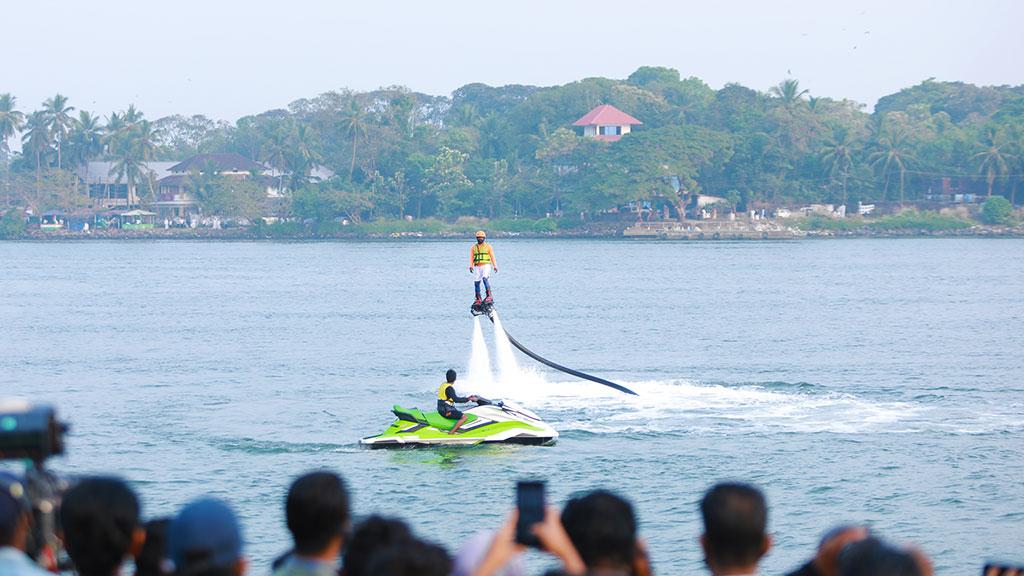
[
  {"x": 992, "y": 569},
  {"x": 530, "y": 501}
]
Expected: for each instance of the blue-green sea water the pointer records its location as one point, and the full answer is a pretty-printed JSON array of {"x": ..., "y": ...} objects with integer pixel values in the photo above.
[{"x": 862, "y": 380}]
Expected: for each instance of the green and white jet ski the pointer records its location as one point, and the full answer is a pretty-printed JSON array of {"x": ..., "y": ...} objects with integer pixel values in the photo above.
[{"x": 488, "y": 422}]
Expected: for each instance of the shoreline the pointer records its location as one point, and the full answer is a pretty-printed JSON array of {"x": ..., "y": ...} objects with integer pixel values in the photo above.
[{"x": 602, "y": 232}]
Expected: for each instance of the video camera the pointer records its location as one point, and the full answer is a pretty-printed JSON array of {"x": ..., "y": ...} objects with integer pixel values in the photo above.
[{"x": 33, "y": 433}]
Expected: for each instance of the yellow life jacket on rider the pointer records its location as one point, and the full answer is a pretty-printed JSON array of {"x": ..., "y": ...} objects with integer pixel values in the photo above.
[
  {"x": 442, "y": 393},
  {"x": 482, "y": 254}
]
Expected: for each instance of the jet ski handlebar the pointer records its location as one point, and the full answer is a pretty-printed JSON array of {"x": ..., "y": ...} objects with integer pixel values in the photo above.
[{"x": 481, "y": 401}]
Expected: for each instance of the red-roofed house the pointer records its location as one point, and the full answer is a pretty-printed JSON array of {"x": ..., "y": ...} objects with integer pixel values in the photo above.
[{"x": 606, "y": 122}]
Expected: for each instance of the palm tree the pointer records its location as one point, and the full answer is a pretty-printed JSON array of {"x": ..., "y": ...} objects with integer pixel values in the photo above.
[
  {"x": 60, "y": 121},
  {"x": 892, "y": 150},
  {"x": 37, "y": 138},
  {"x": 354, "y": 124},
  {"x": 837, "y": 155},
  {"x": 992, "y": 159},
  {"x": 144, "y": 139},
  {"x": 132, "y": 115},
  {"x": 274, "y": 150},
  {"x": 11, "y": 121},
  {"x": 304, "y": 144},
  {"x": 788, "y": 91},
  {"x": 465, "y": 115},
  {"x": 86, "y": 139},
  {"x": 128, "y": 163},
  {"x": 85, "y": 142},
  {"x": 204, "y": 183}
]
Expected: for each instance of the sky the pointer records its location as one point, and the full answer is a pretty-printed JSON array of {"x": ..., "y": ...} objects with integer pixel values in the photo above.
[{"x": 227, "y": 59}]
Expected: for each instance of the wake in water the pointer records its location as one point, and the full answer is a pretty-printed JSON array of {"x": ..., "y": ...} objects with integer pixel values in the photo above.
[
  {"x": 479, "y": 374},
  {"x": 507, "y": 379},
  {"x": 674, "y": 406}
]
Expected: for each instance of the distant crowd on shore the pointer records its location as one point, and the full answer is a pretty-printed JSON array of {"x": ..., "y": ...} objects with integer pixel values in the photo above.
[{"x": 594, "y": 534}]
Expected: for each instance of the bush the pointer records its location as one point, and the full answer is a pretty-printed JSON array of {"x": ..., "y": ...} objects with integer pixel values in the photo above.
[
  {"x": 997, "y": 210},
  {"x": 386, "y": 227},
  {"x": 914, "y": 220},
  {"x": 510, "y": 225},
  {"x": 826, "y": 223},
  {"x": 12, "y": 224},
  {"x": 278, "y": 229}
]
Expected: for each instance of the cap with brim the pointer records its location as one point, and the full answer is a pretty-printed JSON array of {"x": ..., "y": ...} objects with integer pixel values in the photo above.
[{"x": 205, "y": 529}]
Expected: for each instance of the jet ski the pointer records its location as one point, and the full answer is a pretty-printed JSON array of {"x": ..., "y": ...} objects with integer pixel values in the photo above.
[{"x": 488, "y": 422}]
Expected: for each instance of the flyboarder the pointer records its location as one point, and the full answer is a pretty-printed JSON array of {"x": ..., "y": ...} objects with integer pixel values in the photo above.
[
  {"x": 481, "y": 261},
  {"x": 446, "y": 399}
]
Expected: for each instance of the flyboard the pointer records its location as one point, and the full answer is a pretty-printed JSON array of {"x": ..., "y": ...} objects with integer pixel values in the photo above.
[{"x": 486, "y": 308}]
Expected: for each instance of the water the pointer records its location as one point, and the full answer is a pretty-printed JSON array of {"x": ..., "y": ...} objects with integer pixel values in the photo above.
[{"x": 869, "y": 380}]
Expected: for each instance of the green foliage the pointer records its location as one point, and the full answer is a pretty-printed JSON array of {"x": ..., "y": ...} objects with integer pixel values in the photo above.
[
  {"x": 511, "y": 152},
  {"x": 12, "y": 224},
  {"x": 997, "y": 210},
  {"x": 523, "y": 226},
  {"x": 389, "y": 227},
  {"x": 908, "y": 220},
  {"x": 958, "y": 99},
  {"x": 914, "y": 220},
  {"x": 817, "y": 222},
  {"x": 279, "y": 229}
]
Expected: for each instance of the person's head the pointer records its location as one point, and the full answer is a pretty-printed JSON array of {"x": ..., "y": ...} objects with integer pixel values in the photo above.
[
  {"x": 414, "y": 558},
  {"x": 450, "y": 376},
  {"x": 370, "y": 536},
  {"x": 152, "y": 559},
  {"x": 317, "y": 512},
  {"x": 480, "y": 236},
  {"x": 872, "y": 557},
  {"x": 204, "y": 539},
  {"x": 99, "y": 517},
  {"x": 15, "y": 512},
  {"x": 735, "y": 527},
  {"x": 602, "y": 527},
  {"x": 832, "y": 542}
]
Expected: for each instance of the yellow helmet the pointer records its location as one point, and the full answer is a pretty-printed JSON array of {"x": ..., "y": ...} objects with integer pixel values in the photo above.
[{"x": 481, "y": 234}]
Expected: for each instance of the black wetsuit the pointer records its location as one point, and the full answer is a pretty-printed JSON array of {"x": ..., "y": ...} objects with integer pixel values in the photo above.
[{"x": 447, "y": 410}]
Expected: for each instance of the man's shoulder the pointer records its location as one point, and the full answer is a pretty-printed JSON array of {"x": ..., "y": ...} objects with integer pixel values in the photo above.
[
  {"x": 294, "y": 566},
  {"x": 14, "y": 562}
]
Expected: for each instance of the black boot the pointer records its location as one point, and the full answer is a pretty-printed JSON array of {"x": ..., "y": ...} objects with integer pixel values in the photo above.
[{"x": 488, "y": 300}]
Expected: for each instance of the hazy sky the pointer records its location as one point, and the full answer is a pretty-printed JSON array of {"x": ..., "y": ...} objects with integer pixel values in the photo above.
[{"x": 227, "y": 59}]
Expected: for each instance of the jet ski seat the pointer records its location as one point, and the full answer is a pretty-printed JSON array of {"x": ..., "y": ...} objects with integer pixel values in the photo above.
[
  {"x": 432, "y": 419},
  {"x": 409, "y": 414},
  {"x": 442, "y": 423}
]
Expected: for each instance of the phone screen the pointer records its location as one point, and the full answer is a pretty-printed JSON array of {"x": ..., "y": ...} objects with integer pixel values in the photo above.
[{"x": 530, "y": 501}]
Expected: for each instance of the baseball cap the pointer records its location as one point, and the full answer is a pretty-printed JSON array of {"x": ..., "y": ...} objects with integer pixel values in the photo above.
[{"x": 206, "y": 530}]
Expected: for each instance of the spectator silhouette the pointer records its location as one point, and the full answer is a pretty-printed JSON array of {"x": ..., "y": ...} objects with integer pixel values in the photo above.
[
  {"x": 317, "y": 513},
  {"x": 206, "y": 540},
  {"x": 735, "y": 522},
  {"x": 100, "y": 520}
]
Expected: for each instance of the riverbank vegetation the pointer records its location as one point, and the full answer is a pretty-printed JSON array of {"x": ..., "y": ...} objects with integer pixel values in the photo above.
[{"x": 511, "y": 153}]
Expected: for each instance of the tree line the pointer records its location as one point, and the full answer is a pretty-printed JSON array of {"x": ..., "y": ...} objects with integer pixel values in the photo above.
[{"x": 510, "y": 151}]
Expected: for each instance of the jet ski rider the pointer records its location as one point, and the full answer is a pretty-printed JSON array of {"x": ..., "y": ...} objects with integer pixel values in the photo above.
[
  {"x": 446, "y": 399},
  {"x": 481, "y": 261}
]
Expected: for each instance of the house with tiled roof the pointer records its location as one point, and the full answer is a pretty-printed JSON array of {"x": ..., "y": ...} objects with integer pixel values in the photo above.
[
  {"x": 175, "y": 200},
  {"x": 606, "y": 123},
  {"x": 107, "y": 189}
]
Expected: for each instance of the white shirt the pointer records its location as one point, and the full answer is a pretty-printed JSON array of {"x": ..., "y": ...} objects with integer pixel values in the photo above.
[{"x": 14, "y": 562}]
